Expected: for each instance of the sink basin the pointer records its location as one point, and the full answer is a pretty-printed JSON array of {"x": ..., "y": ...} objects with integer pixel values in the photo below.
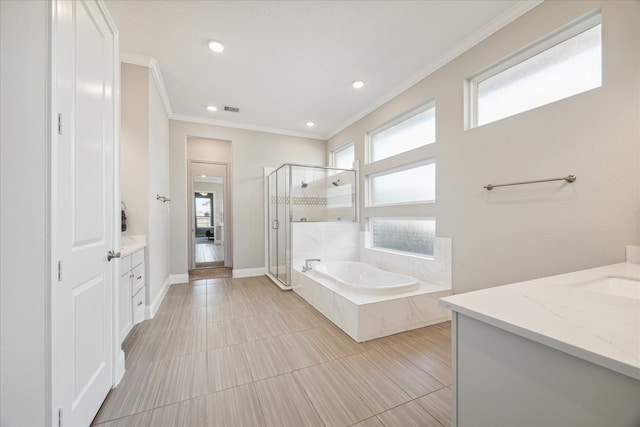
[{"x": 612, "y": 285}]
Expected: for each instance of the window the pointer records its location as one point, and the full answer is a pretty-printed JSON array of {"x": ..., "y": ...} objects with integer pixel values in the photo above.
[
  {"x": 414, "y": 236},
  {"x": 411, "y": 131},
  {"x": 415, "y": 183},
  {"x": 566, "y": 63},
  {"x": 343, "y": 157}
]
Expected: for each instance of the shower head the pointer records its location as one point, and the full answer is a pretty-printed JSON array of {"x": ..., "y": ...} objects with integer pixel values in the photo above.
[
  {"x": 336, "y": 183},
  {"x": 304, "y": 184}
]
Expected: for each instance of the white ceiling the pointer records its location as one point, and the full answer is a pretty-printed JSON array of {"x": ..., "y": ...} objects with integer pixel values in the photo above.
[{"x": 289, "y": 62}]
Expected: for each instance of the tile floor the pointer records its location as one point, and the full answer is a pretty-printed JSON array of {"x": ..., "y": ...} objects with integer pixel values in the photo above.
[{"x": 241, "y": 352}]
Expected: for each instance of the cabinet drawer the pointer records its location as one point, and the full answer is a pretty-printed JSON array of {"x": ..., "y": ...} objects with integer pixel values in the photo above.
[
  {"x": 138, "y": 306},
  {"x": 137, "y": 279},
  {"x": 125, "y": 265},
  {"x": 137, "y": 258}
]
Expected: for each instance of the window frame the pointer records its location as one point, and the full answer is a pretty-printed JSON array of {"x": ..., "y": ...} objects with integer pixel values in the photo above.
[
  {"x": 344, "y": 147},
  {"x": 413, "y": 165},
  {"x": 556, "y": 37},
  {"x": 396, "y": 121}
]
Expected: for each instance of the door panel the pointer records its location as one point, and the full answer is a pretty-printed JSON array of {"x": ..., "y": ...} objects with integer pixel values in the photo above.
[{"x": 84, "y": 64}]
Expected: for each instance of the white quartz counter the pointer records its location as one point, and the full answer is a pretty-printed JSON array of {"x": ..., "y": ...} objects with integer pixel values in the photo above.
[
  {"x": 577, "y": 313},
  {"x": 130, "y": 244}
]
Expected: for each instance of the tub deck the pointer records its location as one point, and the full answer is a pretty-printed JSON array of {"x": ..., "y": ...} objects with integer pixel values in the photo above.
[{"x": 365, "y": 316}]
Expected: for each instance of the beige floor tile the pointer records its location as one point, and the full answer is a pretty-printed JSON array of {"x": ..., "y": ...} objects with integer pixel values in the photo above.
[
  {"x": 180, "y": 342},
  {"x": 408, "y": 415},
  {"x": 235, "y": 407},
  {"x": 300, "y": 352},
  {"x": 191, "y": 413},
  {"x": 142, "y": 348},
  {"x": 423, "y": 358},
  {"x": 222, "y": 334},
  {"x": 413, "y": 380},
  {"x": 183, "y": 378},
  {"x": 336, "y": 402},
  {"x": 299, "y": 319},
  {"x": 438, "y": 404},
  {"x": 189, "y": 318},
  {"x": 142, "y": 419},
  {"x": 369, "y": 422},
  {"x": 284, "y": 403},
  {"x": 267, "y": 358},
  {"x": 373, "y": 386},
  {"x": 137, "y": 392},
  {"x": 331, "y": 343},
  {"x": 228, "y": 367}
]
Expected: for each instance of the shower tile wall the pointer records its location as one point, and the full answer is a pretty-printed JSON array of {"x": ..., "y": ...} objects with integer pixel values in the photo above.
[{"x": 328, "y": 241}]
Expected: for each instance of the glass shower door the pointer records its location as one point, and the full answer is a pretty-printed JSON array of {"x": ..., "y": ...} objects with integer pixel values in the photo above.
[
  {"x": 279, "y": 225},
  {"x": 283, "y": 225}
]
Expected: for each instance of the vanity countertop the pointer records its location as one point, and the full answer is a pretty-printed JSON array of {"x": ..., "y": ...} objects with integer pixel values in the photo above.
[
  {"x": 592, "y": 314},
  {"x": 130, "y": 244}
]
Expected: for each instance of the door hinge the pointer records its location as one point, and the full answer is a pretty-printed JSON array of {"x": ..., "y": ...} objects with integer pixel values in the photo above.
[
  {"x": 60, "y": 417},
  {"x": 60, "y": 124},
  {"x": 59, "y": 271}
]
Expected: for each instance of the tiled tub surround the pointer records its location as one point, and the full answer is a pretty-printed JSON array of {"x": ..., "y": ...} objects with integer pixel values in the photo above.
[
  {"x": 365, "y": 317},
  {"x": 328, "y": 241}
]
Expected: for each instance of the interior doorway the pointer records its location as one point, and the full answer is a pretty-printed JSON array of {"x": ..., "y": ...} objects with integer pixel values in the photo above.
[{"x": 208, "y": 215}]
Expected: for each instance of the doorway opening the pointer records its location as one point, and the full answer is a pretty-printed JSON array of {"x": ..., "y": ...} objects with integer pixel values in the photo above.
[{"x": 208, "y": 215}]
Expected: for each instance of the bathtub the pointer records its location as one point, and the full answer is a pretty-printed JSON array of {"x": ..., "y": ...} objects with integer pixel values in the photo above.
[{"x": 365, "y": 278}]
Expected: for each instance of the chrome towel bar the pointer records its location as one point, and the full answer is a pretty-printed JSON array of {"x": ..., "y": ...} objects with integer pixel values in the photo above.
[{"x": 568, "y": 178}]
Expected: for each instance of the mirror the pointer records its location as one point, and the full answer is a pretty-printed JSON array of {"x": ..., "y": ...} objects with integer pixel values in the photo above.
[{"x": 208, "y": 221}]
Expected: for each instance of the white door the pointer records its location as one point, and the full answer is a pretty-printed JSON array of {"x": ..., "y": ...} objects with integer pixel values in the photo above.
[{"x": 83, "y": 93}]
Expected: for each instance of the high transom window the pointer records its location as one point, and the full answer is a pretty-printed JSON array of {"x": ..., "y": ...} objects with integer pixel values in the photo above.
[
  {"x": 565, "y": 63},
  {"x": 416, "y": 129}
]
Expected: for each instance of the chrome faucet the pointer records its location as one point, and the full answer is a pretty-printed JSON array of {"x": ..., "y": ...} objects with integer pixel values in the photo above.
[{"x": 307, "y": 264}]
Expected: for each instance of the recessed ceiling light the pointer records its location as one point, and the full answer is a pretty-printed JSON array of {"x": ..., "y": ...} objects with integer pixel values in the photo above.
[
  {"x": 211, "y": 108},
  {"x": 357, "y": 84},
  {"x": 216, "y": 46},
  {"x": 311, "y": 124}
]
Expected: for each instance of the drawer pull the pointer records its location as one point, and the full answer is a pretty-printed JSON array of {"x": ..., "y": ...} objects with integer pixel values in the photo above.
[
  {"x": 140, "y": 303},
  {"x": 139, "y": 277}
]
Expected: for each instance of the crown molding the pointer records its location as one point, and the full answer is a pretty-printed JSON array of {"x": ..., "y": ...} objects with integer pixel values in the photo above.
[
  {"x": 243, "y": 126},
  {"x": 484, "y": 32},
  {"x": 154, "y": 68}
]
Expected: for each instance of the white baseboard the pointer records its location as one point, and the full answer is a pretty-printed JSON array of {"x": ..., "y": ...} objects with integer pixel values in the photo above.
[
  {"x": 179, "y": 278},
  {"x": 248, "y": 272},
  {"x": 151, "y": 310},
  {"x": 119, "y": 368}
]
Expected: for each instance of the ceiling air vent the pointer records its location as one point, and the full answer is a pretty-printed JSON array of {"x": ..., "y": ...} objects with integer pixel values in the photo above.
[{"x": 231, "y": 109}]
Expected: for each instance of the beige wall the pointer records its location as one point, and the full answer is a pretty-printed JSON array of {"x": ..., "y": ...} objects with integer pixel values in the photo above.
[
  {"x": 158, "y": 239},
  {"x": 519, "y": 233},
  {"x": 144, "y": 171},
  {"x": 24, "y": 176},
  {"x": 134, "y": 146},
  {"x": 250, "y": 152}
]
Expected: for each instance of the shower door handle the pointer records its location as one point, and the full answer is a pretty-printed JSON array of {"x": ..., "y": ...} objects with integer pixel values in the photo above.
[{"x": 275, "y": 224}]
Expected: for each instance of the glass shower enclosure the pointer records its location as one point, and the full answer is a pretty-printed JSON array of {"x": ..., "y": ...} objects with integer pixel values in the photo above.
[{"x": 299, "y": 193}]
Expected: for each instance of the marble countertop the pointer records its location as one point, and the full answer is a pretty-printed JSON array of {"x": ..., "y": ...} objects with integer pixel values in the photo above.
[
  {"x": 567, "y": 313},
  {"x": 130, "y": 244}
]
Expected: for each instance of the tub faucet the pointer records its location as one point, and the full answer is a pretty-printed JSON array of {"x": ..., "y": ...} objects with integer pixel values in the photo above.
[{"x": 307, "y": 264}]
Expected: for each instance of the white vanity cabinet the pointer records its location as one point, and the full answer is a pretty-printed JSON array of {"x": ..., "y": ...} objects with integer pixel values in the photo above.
[{"x": 132, "y": 293}]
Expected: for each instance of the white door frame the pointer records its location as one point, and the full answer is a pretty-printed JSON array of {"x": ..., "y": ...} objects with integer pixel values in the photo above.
[
  {"x": 52, "y": 239},
  {"x": 228, "y": 221}
]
